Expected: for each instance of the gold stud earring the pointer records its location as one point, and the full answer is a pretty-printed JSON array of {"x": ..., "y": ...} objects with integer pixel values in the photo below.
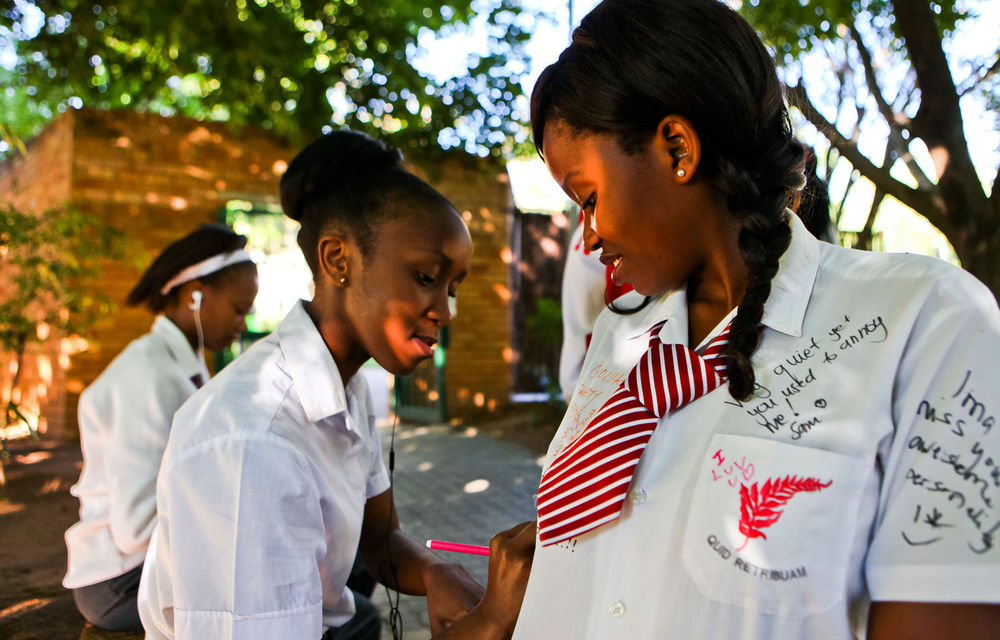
[{"x": 343, "y": 279}]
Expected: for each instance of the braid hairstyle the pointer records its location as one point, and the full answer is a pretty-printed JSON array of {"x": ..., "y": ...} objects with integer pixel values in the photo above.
[
  {"x": 350, "y": 182},
  {"x": 634, "y": 62},
  {"x": 206, "y": 241}
]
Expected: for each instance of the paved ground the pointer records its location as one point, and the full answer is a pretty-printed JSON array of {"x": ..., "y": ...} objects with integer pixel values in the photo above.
[{"x": 458, "y": 485}]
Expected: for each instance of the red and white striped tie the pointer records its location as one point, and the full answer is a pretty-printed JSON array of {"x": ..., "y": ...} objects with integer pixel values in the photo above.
[{"x": 585, "y": 486}]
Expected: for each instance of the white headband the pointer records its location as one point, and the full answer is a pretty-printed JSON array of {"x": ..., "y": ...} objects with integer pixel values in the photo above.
[{"x": 206, "y": 267}]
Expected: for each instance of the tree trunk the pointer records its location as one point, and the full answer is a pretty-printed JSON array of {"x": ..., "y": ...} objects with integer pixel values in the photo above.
[
  {"x": 982, "y": 259},
  {"x": 864, "y": 239},
  {"x": 970, "y": 221}
]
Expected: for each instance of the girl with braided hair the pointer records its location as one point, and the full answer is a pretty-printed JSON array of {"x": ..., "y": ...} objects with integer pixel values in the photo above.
[{"x": 777, "y": 438}]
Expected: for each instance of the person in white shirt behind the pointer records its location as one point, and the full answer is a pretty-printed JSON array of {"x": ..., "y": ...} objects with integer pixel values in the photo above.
[
  {"x": 273, "y": 477},
  {"x": 587, "y": 287},
  {"x": 201, "y": 287},
  {"x": 784, "y": 439}
]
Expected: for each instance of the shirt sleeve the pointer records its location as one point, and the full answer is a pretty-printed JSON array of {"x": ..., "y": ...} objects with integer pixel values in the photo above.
[
  {"x": 142, "y": 410},
  {"x": 937, "y": 535},
  {"x": 245, "y": 539},
  {"x": 378, "y": 476}
]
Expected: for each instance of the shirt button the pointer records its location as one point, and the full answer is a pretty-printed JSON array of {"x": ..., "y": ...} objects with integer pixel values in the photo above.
[
  {"x": 617, "y": 609},
  {"x": 638, "y": 496}
]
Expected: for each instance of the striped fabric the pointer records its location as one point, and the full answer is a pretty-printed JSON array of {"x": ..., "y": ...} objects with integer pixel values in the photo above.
[{"x": 585, "y": 486}]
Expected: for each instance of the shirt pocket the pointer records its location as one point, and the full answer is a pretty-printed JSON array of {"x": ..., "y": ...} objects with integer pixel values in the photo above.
[{"x": 771, "y": 525}]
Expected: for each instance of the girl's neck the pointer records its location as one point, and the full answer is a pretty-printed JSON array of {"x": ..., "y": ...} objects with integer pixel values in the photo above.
[
  {"x": 183, "y": 319},
  {"x": 718, "y": 287},
  {"x": 340, "y": 340}
]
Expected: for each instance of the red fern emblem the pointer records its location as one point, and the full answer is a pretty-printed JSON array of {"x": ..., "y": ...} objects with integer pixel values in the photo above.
[{"x": 760, "y": 509}]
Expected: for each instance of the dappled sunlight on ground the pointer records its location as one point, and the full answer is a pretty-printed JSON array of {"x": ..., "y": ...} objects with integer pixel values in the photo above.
[
  {"x": 27, "y": 606},
  {"x": 53, "y": 485},
  {"x": 38, "y": 510},
  {"x": 7, "y": 507},
  {"x": 33, "y": 457},
  {"x": 476, "y": 486}
]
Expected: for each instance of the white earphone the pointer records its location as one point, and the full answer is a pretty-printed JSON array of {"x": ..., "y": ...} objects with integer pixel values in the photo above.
[{"x": 195, "y": 300}]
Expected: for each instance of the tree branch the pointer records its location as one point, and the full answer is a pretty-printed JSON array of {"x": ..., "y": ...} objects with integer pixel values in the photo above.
[
  {"x": 925, "y": 201},
  {"x": 894, "y": 120},
  {"x": 851, "y": 179},
  {"x": 974, "y": 79},
  {"x": 995, "y": 193},
  {"x": 897, "y": 146},
  {"x": 864, "y": 240},
  {"x": 939, "y": 119}
]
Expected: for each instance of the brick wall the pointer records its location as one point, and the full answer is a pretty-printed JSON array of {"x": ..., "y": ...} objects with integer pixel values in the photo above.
[
  {"x": 478, "y": 374},
  {"x": 156, "y": 178}
]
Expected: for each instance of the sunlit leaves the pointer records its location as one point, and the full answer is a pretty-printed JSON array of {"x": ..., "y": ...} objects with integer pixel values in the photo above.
[
  {"x": 792, "y": 27},
  {"x": 291, "y": 65}
]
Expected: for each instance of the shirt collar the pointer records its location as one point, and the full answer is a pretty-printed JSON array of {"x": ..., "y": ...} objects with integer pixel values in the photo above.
[
  {"x": 179, "y": 347},
  {"x": 792, "y": 286},
  {"x": 670, "y": 306},
  {"x": 310, "y": 364},
  {"x": 784, "y": 310}
]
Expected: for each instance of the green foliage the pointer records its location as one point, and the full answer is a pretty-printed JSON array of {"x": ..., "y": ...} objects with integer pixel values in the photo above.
[
  {"x": 43, "y": 261},
  {"x": 545, "y": 325},
  {"x": 291, "y": 65},
  {"x": 793, "y": 27}
]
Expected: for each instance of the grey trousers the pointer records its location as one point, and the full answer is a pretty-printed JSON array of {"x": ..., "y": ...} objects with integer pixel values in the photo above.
[
  {"x": 111, "y": 604},
  {"x": 365, "y": 625}
]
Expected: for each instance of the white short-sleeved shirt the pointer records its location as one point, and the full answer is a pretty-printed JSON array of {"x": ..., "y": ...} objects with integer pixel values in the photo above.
[
  {"x": 865, "y": 467},
  {"x": 586, "y": 284},
  {"x": 124, "y": 418},
  {"x": 261, "y": 497}
]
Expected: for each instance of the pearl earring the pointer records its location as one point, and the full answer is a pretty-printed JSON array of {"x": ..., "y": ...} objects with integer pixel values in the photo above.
[
  {"x": 343, "y": 279},
  {"x": 681, "y": 173}
]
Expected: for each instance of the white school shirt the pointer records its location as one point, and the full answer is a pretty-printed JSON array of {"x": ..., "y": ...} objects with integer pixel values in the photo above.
[
  {"x": 583, "y": 284},
  {"x": 261, "y": 497},
  {"x": 866, "y": 466},
  {"x": 586, "y": 284},
  {"x": 124, "y": 418}
]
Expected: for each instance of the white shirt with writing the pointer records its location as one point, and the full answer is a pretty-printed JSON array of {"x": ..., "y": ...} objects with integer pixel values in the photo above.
[
  {"x": 865, "y": 467},
  {"x": 261, "y": 497}
]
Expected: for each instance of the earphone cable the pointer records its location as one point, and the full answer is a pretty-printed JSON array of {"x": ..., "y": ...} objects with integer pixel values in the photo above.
[
  {"x": 201, "y": 335},
  {"x": 395, "y": 618}
]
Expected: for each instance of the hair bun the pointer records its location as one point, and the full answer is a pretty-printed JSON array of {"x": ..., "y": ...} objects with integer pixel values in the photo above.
[{"x": 334, "y": 162}]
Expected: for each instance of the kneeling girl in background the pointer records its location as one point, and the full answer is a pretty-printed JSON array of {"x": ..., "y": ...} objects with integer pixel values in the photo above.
[{"x": 201, "y": 287}]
